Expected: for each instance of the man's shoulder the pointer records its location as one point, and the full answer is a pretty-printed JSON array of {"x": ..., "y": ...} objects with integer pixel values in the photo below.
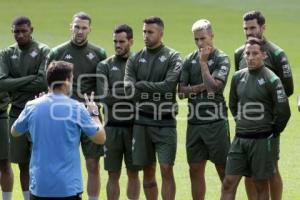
[
  {"x": 61, "y": 47},
  {"x": 97, "y": 49},
  {"x": 10, "y": 48},
  {"x": 272, "y": 48},
  {"x": 40, "y": 45},
  {"x": 239, "y": 50},
  {"x": 270, "y": 75},
  {"x": 220, "y": 55},
  {"x": 191, "y": 57}
]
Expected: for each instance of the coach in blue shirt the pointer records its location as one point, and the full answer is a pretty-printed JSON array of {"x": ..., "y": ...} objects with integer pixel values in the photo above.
[{"x": 55, "y": 123}]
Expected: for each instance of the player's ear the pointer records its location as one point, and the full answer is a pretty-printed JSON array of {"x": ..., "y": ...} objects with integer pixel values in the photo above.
[{"x": 131, "y": 41}]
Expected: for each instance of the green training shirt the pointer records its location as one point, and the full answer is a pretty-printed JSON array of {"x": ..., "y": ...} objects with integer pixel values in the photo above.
[
  {"x": 22, "y": 73},
  {"x": 110, "y": 90},
  {"x": 151, "y": 77},
  {"x": 85, "y": 59},
  {"x": 4, "y": 101},
  {"x": 276, "y": 60},
  {"x": 204, "y": 109},
  {"x": 258, "y": 101}
]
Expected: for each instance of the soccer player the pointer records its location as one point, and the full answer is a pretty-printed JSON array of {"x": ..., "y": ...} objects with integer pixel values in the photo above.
[
  {"x": 22, "y": 75},
  {"x": 54, "y": 122},
  {"x": 261, "y": 110},
  {"x": 119, "y": 112},
  {"x": 6, "y": 173},
  {"x": 203, "y": 79},
  {"x": 276, "y": 60},
  {"x": 151, "y": 77},
  {"x": 85, "y": 57}
]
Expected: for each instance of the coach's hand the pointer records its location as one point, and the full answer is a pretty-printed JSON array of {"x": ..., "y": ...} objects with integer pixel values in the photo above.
[{"x": 91, "y": 105}]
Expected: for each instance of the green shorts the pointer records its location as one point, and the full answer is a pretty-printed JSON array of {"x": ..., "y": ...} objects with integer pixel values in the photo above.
[
  {"x": 276, "y": 149},
  {"x": 149, "y": 140},
  {"x": 118, "y": 143},
  {"x": 20, "y": 147},
  {"x": 89, "y": 148},
  {"x": 4, "y": 139},
  {"x": 208, "y": 142},
  {"x": 251, "y": 157}
]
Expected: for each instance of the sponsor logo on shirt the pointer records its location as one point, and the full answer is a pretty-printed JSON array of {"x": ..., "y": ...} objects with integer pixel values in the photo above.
[
  {"x": 114, "y": 68},
  {"x": 177, "y": 66},
  {"x": 142, "y": 60},
  {"x": 33, "y": 54},
  {"x": 14, "y": 56},
  {"x": 281, "y": 97},
  {"x": 283, "y": 59},
  {"x": 162, "y": 58},
  {"x": 261, "y": 81},
  {"x": 223, "y": 71},
  {"x": 286, "y": 71},
  {"x": 68, "y": 57},
  {"x": 90, "y": 56}
]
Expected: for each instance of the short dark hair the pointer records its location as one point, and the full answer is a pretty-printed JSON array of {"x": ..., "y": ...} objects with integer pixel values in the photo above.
[
  {"x": 124, "y": 28},
  {"x": 82, "y": 16},
  {"x": 257, "y": 41},
  {"x": 154, "y": 20},
  {"x": 255, "y": 15},
  {"x": 21, "y": 20},
  {"x": 57, "y": 72}
]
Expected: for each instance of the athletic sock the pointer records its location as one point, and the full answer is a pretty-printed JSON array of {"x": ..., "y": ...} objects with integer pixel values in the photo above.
[
  {"x": 7, "y": 195},
  {"x": 93, "y": 198},
  {"x": 26, "y": 195}
]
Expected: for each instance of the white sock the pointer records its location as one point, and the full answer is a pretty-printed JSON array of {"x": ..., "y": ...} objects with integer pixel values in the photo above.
[
  {"x": 93, "y": 198},
  {"x": 7, "y": 195},
  {"x": 26, "y": 195}
]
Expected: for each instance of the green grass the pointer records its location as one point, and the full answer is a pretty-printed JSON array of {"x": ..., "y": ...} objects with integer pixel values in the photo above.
[{"x": 51, "y": 20}]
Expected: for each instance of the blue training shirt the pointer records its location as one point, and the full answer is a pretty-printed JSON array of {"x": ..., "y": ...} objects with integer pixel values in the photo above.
[{"x": 55, "y": 122}]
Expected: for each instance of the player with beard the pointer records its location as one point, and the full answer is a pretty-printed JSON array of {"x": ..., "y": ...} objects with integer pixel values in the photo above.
[
  {"x": 85, "y": 57},
  {"x": 277, "y": 61}
]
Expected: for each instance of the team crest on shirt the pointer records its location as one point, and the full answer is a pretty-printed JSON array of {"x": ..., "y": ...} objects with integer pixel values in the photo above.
[
  {"x": 243, "y": 80},
  {"x": 142, "y": 60},
  {"x": 261, "y": 81},
  {"x": 114, "y": 68},
  {"x": 68, "y": 57},
  {"x": 90, "y": 56},
  {"x": 193, "y": 61},
  {"x": 210, "y": 62},
  {"x": 33, "y": 54},
  {"x": 162, "y": 58},
  {"x": 14, "y": 56}
]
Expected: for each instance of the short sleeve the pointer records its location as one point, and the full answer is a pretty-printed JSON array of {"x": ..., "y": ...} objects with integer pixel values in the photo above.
[
  {"x": 21, "y": 124},
  {"x": 86, "y": 123}
]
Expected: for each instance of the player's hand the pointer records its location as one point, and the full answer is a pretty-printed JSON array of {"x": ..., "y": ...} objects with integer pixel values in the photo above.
[
  {"x": 204, "y": 53},
  {"x": 90, "y": 103}
]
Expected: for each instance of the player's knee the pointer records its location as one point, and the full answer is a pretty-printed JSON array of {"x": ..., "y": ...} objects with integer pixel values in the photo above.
[
  {"x": 166, "y": 171},
  {"x": 228, "y": 185},
  {"x": 149, "y": 173},
  {"x": 92, "y": 166},
  {"x": 5, "y": 167}
]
